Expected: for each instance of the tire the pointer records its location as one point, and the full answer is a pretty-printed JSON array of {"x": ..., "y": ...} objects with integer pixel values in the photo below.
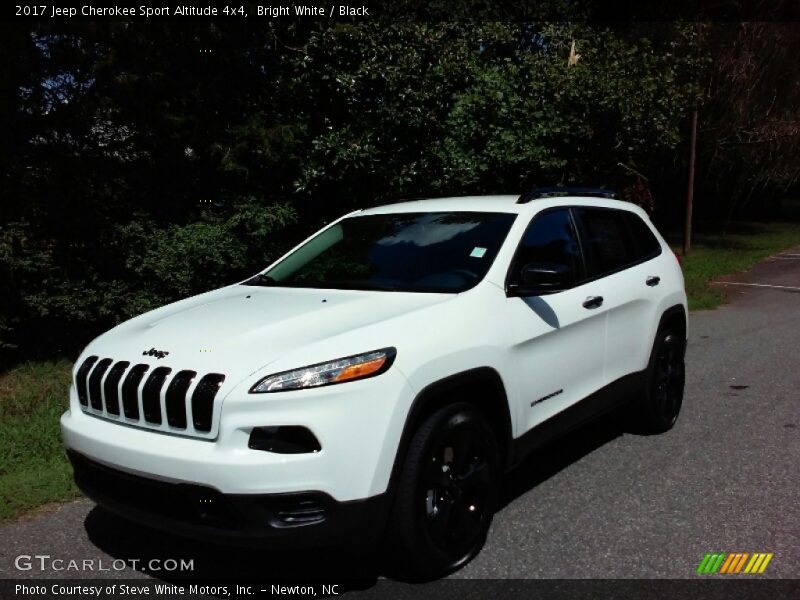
[
  {"x": 665, "y": 379},
  {"x": 446, "y": 495}
]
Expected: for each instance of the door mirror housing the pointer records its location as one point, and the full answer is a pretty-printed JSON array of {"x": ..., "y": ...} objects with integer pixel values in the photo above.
[{"x": 538, "y": 278}]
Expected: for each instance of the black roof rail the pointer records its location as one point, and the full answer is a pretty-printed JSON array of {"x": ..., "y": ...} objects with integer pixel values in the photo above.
[{"x": 548, "y": 192}]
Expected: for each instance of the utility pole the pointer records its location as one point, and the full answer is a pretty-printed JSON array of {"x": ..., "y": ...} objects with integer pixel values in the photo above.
[{"x": 687, "y": 233}]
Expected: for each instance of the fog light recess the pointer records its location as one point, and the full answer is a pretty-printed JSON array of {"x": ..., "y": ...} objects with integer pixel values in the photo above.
[{"x": 284, "y": 439}]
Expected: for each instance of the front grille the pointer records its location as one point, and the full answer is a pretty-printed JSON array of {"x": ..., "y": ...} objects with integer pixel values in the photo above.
[{"x": 153, "y": 399}]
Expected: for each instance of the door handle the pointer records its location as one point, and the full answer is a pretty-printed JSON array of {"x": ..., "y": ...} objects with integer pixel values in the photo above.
[
  {"x": 653, "y": 280},
  {"x": 593, "y": 302}
]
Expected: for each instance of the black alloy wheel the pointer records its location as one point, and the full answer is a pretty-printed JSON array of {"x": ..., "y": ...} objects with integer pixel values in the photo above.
[
  {"x": 665, "y": 382},
  {"x": 447, "y": 494},
  {"x": 456, "y": 487}
]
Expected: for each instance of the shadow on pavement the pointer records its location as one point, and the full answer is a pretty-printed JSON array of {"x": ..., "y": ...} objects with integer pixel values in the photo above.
[
  {"x": 559, "y": 454},
  {"x": 131, "y": 542},
  {"x": 353, "y": 570}
]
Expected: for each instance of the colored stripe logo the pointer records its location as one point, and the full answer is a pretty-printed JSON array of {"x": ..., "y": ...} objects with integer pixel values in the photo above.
[{"x": 734, "y": 563}]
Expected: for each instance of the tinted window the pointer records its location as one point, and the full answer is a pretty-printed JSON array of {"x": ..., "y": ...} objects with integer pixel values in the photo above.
[
  {"x": 606, "y": 240},
  {"x": 550, "y": 238},
  {"x": 646, "y": 243},
  {"x": 426, "y": 252}
]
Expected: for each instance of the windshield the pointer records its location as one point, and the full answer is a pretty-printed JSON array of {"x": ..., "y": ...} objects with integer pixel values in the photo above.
[{"x": 413, "y": 252}]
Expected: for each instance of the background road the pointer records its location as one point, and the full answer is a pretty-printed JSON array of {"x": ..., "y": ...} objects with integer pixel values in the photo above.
[{"x": 603, "y": 502}]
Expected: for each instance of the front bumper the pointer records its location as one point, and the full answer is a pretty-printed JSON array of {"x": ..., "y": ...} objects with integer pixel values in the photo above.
[
  {"x": 297, "y": 519},
  {"x": 358, "y": 426}
]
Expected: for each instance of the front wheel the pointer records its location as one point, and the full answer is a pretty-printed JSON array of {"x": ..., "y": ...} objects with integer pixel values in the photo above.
[
  {"x": 446, "y": 496},
  {"x": 664, "y": 385}
]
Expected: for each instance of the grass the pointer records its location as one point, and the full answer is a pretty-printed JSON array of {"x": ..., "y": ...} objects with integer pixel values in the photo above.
[
  {"x": 33, "y": 467},
  {"x": 35, "y": 471},
  {"x": 714, "y": 254}
]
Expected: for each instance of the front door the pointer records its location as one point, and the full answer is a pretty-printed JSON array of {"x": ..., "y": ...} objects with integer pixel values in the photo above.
[{"x": 558, "y": 338}]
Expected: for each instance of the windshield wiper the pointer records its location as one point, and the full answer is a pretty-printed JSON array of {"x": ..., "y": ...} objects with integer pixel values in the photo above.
[{"x": 260, "y": 279}]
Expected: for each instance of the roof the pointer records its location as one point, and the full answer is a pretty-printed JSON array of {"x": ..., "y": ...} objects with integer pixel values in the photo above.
[
  {"x": 500, "y": 203},
  {"x": 506, "y": 203}
]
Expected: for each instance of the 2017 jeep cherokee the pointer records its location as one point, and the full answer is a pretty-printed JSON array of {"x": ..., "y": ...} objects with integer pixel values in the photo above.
[{"x": 380, "y": 378}]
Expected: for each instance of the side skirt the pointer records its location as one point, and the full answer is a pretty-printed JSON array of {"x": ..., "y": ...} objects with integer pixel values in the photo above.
[{"x": 604, "y": 400}]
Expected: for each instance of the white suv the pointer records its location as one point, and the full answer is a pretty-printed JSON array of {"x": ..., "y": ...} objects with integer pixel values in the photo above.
[{"x": 379, "y": 379}]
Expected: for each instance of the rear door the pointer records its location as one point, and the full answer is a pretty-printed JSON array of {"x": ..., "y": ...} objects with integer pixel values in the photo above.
[
  {"x": 558, "y": 339},
  {"x": 620, "y": 248}
]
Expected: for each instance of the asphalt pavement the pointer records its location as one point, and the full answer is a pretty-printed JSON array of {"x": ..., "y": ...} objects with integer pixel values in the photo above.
[{"x": 604, "y": 502}]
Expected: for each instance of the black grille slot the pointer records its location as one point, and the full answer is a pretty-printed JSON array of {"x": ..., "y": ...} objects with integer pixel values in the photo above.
[
  {"x": 203, "y": 401},
  {"x": 111, "y": 387},
  {"x": 80, "y": 380},
  {"x": 130, "y": 391},
  {"x": 151, "y": 394},
  {"x": 95, "y": 398},
  {"x": 176, "y": 398}
]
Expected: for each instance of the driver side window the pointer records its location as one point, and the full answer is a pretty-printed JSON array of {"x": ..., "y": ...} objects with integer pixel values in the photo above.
[{"x": 550, "y": 239}]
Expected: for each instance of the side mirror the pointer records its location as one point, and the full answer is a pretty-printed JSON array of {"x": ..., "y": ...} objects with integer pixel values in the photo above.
[{"x": 538, "y": 278}]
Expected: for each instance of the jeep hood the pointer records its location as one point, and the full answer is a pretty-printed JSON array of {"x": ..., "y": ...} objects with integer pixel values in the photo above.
[{"x": 239, "y": 329}]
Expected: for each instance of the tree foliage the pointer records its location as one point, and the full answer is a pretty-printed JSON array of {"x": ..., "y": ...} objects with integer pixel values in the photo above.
[
  {"x": 418, "y": 109},
  {"x": 147, "y": 162}
]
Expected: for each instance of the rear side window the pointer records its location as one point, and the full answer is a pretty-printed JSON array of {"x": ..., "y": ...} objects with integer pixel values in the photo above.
[
  {"x": 614, "y": 239},
  {"x": 607, "y": 240},
  {"x": 647, "y": 246},
  {"x": 550, "y": 238}
]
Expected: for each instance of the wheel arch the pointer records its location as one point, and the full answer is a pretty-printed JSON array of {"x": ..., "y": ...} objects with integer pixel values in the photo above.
[
  {"x": 674, "y": 317},
  {"x": 482, "y": 387}
]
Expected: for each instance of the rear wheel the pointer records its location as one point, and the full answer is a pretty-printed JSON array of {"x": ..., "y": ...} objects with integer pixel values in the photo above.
[
  {"x": 447, "y": 494},
  {"x": 666, "y": 375}
]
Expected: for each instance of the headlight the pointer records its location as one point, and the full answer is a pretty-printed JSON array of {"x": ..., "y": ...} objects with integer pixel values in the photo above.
[{"x": 349, "y": 368}]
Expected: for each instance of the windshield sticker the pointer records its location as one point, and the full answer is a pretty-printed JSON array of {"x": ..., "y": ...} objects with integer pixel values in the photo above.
[{"x": 477, "y": 252}]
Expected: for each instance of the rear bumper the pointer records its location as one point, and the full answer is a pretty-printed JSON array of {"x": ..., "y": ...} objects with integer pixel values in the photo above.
[{"x": 294, "y": 519}]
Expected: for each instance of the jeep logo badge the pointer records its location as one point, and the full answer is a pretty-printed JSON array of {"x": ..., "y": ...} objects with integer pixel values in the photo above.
[{"x": 156, "y": 353}]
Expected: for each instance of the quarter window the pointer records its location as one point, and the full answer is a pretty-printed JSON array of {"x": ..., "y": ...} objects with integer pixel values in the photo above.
[{"x": 647, "y": 246}]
